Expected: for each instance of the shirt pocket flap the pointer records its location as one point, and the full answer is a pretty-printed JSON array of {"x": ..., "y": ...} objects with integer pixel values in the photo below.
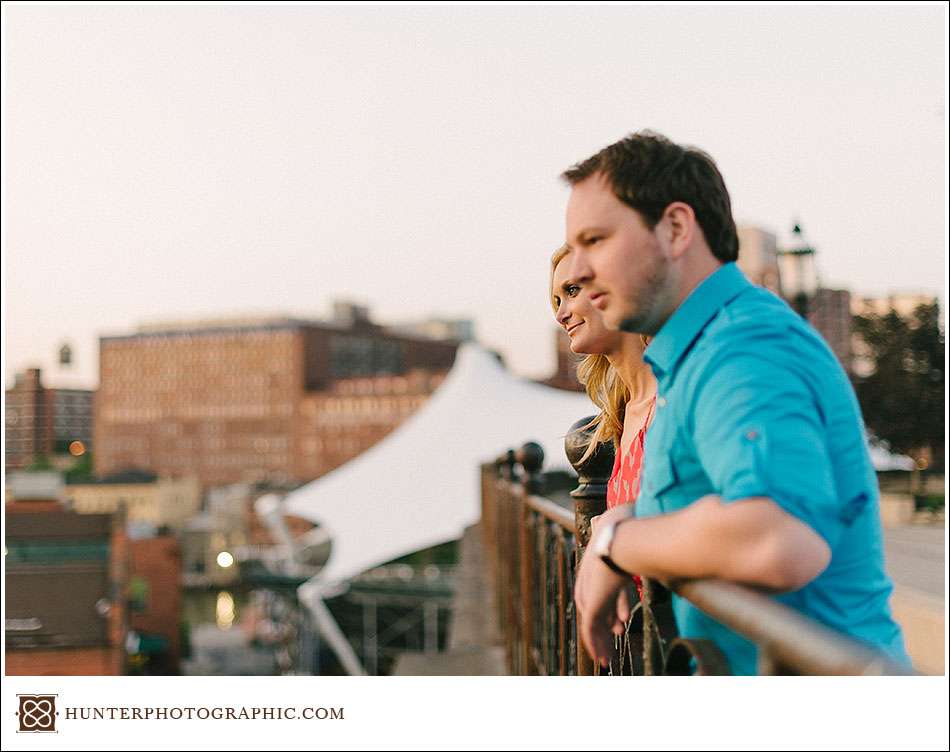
[{"x": 660, "y": 476}]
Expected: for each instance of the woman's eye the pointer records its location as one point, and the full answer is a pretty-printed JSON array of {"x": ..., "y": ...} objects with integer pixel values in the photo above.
[{"x": 572, "y": 291}]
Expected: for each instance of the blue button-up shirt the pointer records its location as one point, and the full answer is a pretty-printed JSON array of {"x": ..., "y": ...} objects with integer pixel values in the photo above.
[{"x": 752, "y": 402}]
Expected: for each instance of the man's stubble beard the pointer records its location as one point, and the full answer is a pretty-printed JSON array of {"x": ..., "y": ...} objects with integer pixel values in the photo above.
[{"x": 648, "y": 314}]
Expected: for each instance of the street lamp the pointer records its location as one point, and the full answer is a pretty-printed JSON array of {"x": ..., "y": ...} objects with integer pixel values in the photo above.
[{"x": 797, "y": 270}]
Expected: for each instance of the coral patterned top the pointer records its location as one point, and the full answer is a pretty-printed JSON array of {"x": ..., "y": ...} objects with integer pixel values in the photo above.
[{"x": 624, "y": 482}]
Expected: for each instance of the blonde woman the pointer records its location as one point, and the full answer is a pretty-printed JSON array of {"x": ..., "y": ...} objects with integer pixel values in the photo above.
[{"x": 617, "y": 380}]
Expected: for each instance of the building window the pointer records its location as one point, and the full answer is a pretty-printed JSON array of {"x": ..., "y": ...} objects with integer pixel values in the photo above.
[{"x": 364, "y": 356}]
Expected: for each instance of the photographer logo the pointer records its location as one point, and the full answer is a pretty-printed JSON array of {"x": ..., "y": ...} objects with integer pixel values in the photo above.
[{"x": 37, "y": 714}]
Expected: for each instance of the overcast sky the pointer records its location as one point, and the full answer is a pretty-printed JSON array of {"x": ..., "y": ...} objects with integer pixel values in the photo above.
[{"x": 170, "y": 162}]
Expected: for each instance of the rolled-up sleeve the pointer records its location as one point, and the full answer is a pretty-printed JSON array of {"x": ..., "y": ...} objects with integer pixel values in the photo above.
[{"x": 758, "y": 431}]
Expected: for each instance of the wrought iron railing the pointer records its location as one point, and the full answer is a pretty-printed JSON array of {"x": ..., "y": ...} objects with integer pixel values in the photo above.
[{"x": 533, "y": 546}]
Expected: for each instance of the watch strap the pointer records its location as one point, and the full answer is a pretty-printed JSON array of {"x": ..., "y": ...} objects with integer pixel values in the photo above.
[
  {"x": 604, "y": 551},
  {"x": 611, "y": 564}
]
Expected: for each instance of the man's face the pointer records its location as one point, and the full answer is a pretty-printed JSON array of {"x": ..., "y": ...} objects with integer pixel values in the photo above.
[{"x": 620, "y": 262}]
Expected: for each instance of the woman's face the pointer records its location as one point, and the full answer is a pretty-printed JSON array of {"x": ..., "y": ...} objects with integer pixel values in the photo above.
[{"x": 583, "y": 322}]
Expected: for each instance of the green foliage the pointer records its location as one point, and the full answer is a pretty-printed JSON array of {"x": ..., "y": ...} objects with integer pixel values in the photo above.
[
  {"x": 903, "y": 398},
  {"x": 138, "y": 594},
  {"x": 932, "y": 503},
  {"x": 40, "y": 463},
  {"x": 81, "y": 471}
]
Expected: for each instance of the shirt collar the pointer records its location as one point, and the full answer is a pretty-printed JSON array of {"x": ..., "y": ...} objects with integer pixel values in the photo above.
[{"x": 682, "y": 328}]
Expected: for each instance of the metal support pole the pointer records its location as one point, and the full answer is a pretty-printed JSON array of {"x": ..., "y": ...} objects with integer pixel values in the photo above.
[
  {"x": 430, "y": 621},
  {"x": 311, "y": 596},
  {"x": 370, "y": 643}
]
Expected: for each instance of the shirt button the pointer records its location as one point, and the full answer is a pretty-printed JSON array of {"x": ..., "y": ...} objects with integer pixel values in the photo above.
[
  {"x": 752, "y": 435},
  {"x": 661, "y": 401}
]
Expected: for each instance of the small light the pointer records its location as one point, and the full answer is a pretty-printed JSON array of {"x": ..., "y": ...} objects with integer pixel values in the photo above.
[
  {"x": 77, "y": 449},
  {"x": 225, "y": 560},
  {"x": 224, "y": 610}
]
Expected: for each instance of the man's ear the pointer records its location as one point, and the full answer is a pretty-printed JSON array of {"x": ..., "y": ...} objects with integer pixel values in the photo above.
[{"x": 680, "y": 220}]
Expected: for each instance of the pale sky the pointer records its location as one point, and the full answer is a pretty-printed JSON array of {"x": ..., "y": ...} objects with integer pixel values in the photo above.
[{"x": 170, "y": 162}]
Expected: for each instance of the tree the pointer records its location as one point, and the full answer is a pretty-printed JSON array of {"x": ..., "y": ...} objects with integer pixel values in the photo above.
[{"x": 902, "y": 396}]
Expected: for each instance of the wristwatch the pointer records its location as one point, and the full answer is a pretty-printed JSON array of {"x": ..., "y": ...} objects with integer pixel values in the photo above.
[{"x": 602, "y": 541}]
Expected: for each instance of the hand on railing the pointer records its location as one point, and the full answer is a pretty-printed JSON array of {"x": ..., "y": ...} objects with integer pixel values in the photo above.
[
  {"x": 603, "y": 608},
  {"x": 624, "y": 608}
]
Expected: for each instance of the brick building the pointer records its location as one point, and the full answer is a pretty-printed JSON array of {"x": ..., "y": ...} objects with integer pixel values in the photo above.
[
  {"x": 338, "y": 424},
  {"x": 280, "y": 400},
  {"x": 41, "y": 421},
  {"x": 155, "y": 602},
  {"x": 829, "y": 311}
]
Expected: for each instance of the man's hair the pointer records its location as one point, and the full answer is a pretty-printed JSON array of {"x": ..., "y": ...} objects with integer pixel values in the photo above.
[{"x": 648, "y": 172}]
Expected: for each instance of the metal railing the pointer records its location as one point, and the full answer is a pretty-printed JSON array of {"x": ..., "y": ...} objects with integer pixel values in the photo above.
[{"x": 533, "y": 546}]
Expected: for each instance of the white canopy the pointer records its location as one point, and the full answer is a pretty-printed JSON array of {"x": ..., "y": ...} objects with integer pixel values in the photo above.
[{"x": 420, "y": 485}]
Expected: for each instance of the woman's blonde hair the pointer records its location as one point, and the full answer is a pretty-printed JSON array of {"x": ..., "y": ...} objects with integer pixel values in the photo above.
[{"x": 602, "y": 383}]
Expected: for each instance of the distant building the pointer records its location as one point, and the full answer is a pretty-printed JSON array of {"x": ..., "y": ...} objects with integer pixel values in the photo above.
[
  {"x": 338, "y": 424},
  {"x": 829, "y": 311},
  {"x": 244, "y": 401},
  {"x": 202, "y": 541},
  {"x": 758, "y": 257},
  {"x": 41, "y": 421},
  {"x": 565, "y": 372},
  {"x": 904, "y": 304},
  {"x": 159, "y": 502},
  {"x": 222, "y": 528},
  {"x": 223, "y": 538},
  {"x": 459, "y": 330},
  {"x": 65, "y": 585}
]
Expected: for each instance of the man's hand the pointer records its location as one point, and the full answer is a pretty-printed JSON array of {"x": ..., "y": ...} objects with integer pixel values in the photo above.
[{"x": 603, "y": 606}]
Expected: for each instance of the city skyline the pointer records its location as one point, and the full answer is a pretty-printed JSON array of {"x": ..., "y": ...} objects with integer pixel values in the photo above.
[{"x": 191, "y": 162}]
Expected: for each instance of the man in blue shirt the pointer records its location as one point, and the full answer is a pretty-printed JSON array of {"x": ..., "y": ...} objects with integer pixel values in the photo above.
[{"x": 756, "y": 468}]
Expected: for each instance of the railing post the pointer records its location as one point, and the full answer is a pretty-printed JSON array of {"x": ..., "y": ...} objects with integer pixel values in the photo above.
[
  {"x": 530, "y": 457},
  {"x": 504, "y": 470},
  {"x": 590, "y": 499}
]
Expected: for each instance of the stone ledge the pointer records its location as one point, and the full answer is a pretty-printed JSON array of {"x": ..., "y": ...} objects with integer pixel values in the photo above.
[
  {"x": 922, "y": 620},
  {"x": 471, "y": 661}
]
